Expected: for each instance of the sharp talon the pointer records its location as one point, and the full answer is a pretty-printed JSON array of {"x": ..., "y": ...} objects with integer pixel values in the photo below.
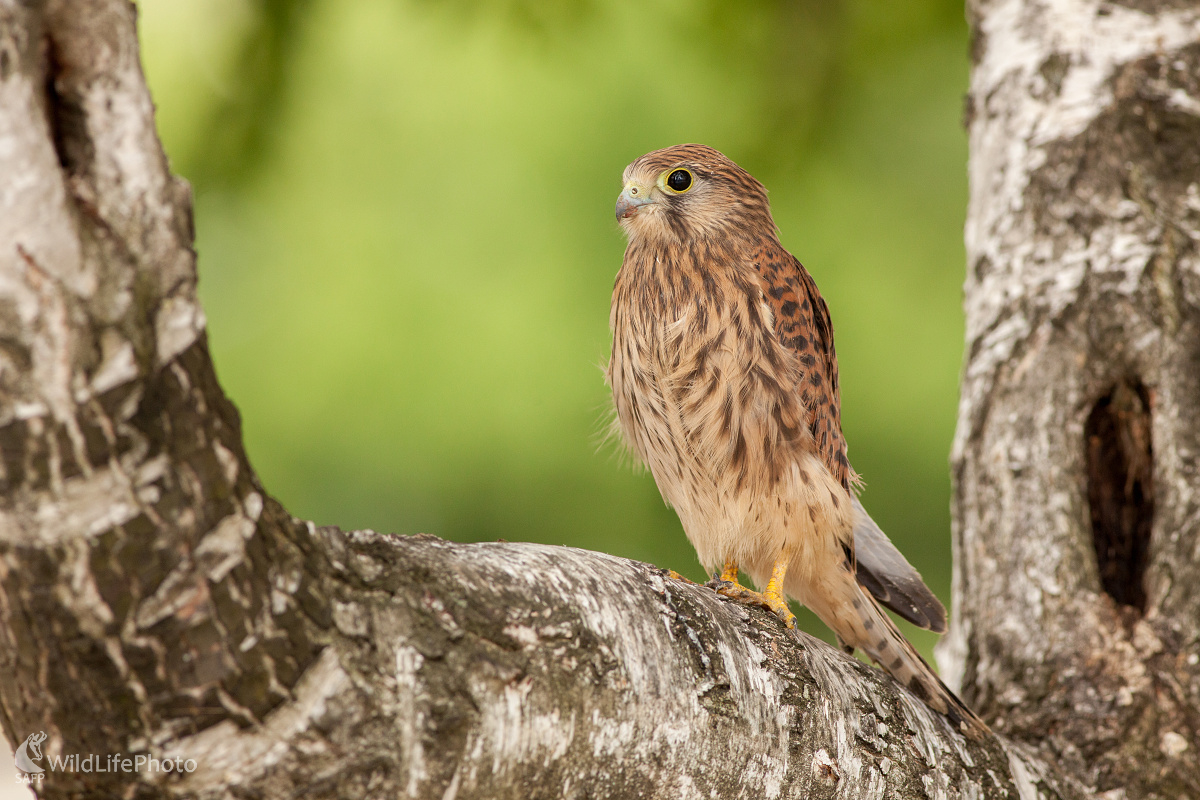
[
  {"x": 735, "y": 591},
  {"x": 772, "y": 599},
  {"x": 675, "y": 575},
  {"x": 777, "y": 603}
]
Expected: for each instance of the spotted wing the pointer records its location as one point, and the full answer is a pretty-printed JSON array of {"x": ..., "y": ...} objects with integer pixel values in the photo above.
[{"x": 803, "y": 326}]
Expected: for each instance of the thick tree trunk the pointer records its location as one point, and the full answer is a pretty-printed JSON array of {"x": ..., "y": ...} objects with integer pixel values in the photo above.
[
  {"x": 1077, "y": 516},
  {"x": 155, "y": 602}
]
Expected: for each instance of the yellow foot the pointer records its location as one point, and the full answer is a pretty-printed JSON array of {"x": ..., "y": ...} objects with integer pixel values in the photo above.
[
  {"x": 673, "y": 574},
  {"x": 772, "y": 599}
]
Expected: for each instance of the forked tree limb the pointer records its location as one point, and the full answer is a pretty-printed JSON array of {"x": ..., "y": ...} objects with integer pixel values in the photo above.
[{"x": 155, "y": 601}]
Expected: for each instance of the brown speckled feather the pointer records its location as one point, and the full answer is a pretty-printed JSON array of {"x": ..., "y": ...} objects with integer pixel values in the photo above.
[{"x": 803, "y": 326}]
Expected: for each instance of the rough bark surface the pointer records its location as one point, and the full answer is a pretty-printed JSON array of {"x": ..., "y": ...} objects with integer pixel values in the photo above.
[{"x": 1076, "y": 511}]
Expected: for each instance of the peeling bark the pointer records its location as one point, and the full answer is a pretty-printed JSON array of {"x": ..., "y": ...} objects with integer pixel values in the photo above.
[
  {"x": 155, "y": 601},
  {"x": 1083, "y": 275}
]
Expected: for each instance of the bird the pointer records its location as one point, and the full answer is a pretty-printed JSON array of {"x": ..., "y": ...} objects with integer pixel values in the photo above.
[{"x": 725, "y": 382}]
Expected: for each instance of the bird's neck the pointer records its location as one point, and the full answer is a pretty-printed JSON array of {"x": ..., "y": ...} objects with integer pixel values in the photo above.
[{"x": 666, "y": 276}]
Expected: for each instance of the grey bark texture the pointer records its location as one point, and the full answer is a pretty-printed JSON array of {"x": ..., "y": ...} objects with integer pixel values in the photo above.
[
  {"x": 1077, "y": 498},
  {"x": 155, "y": 601}
]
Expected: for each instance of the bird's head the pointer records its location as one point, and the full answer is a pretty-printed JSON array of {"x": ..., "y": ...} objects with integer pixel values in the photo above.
[{"x": 690, "y": 191}]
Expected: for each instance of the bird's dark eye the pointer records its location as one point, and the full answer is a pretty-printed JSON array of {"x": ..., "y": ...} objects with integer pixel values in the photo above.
[{"x": 679, "y": 181}]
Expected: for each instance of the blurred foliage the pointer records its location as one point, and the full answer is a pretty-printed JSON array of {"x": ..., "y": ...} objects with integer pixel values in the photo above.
[
  {"x": 404, "y": 215},
  {"x": 239, "y": 128}
]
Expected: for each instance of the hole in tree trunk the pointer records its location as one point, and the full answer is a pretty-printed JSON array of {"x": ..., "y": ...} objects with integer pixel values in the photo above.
[{"x": 1120, "y": 474}]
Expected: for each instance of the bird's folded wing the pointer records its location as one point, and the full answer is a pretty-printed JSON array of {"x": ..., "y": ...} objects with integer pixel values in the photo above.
[
  {"x": 802, "y": 324},
  {"x": 886, "y": 574}
]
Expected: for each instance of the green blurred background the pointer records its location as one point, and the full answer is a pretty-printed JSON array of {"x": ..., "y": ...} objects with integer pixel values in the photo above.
[{"x": 407, "y": 244}]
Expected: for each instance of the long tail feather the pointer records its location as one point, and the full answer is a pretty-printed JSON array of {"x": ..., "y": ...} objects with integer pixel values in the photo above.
[
  {"x": 860, "y": 622},
  {"x": 886, "y": 645}
]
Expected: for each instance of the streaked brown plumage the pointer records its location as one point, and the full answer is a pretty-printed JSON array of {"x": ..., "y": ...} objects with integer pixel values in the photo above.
[{"x": 725, "y": 381}]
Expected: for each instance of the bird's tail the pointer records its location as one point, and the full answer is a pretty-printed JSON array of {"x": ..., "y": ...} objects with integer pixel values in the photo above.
[{"x": 862, "y": 623}]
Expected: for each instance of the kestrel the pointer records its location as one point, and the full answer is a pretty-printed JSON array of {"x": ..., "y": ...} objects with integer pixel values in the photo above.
[{"x": 726, "y": 385}]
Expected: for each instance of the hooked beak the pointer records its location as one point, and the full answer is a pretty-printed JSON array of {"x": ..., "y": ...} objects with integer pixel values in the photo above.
[{"x": 632, "y": 197}]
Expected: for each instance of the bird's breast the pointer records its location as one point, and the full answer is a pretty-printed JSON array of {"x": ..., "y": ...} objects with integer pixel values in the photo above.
[{"x": 691, "y": 377}]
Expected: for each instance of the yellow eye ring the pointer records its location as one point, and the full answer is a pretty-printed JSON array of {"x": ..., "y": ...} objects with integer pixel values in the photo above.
[{"x": 677, "y": 181}]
